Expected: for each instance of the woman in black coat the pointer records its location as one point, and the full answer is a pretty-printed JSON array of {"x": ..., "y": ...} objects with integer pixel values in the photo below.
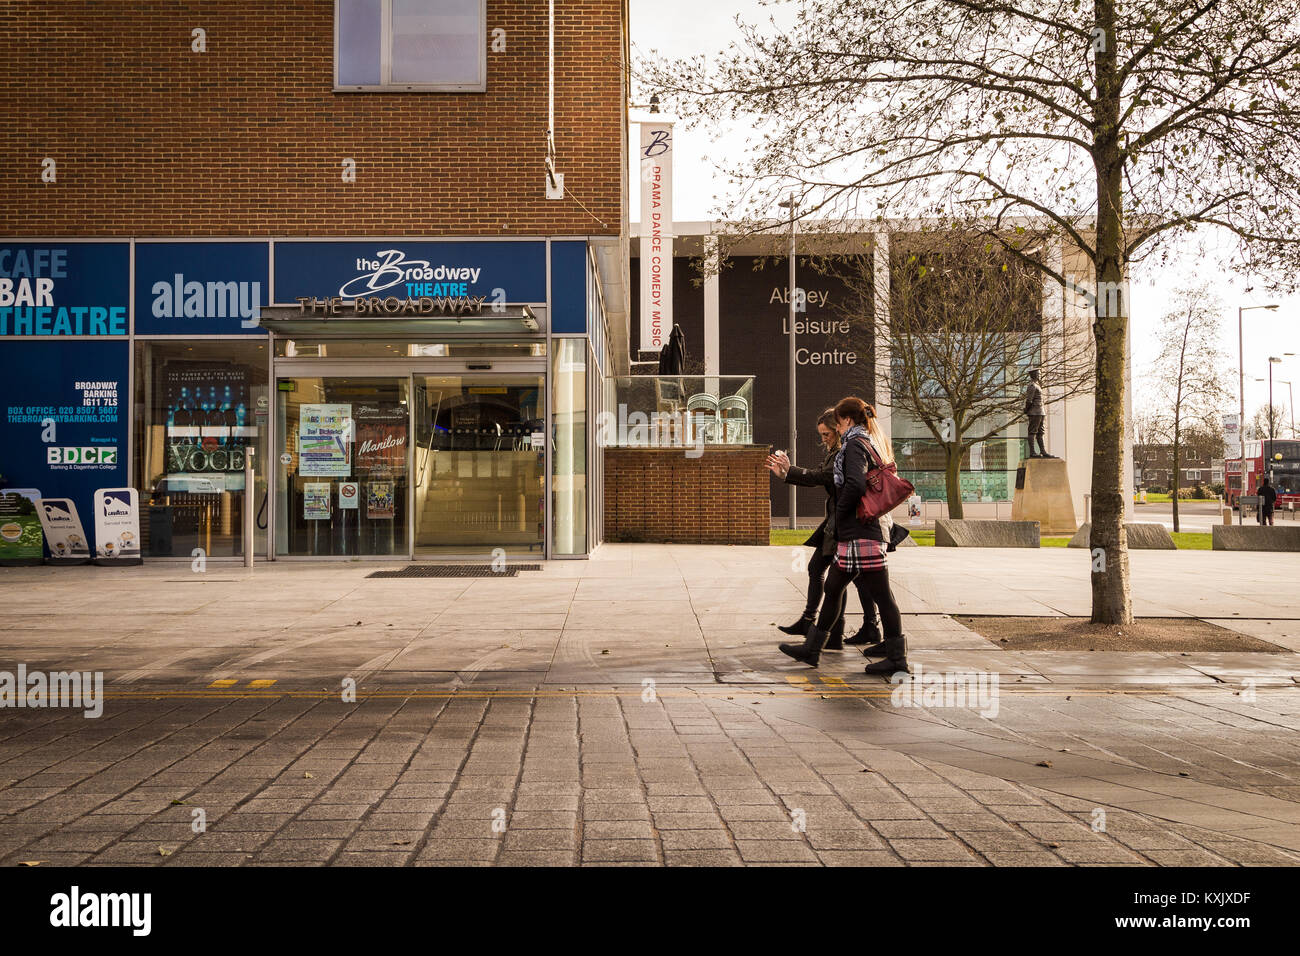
[
  {"x": 822, "y": 541},
  {"x": 859, "y": 543}
]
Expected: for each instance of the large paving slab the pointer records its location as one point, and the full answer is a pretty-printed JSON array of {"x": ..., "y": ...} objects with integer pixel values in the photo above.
[{"x": 633, "y": 709}]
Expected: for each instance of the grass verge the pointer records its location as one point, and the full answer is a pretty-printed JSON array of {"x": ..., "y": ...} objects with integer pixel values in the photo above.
[{"x": 1184, "y": 540}]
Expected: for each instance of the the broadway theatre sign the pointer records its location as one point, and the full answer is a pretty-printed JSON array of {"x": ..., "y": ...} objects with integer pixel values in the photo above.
[{"x": 392, "y": 305}]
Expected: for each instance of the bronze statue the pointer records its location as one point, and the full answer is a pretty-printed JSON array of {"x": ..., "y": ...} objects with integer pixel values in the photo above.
[{"x": 1037, "y": 418}]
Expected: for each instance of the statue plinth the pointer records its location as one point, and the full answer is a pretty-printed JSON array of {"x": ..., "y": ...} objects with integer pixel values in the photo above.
[{"x": 1043, "y": 495}]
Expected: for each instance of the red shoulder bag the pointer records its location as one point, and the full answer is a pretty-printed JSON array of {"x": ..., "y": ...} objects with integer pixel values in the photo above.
[{"x": 886, "y": 490}]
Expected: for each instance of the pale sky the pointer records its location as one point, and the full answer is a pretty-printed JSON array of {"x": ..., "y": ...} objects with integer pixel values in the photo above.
[{"x": 688, "y": 27}]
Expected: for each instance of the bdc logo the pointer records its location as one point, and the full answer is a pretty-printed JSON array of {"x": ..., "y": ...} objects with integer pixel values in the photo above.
[{"x": 89, "y": 455}]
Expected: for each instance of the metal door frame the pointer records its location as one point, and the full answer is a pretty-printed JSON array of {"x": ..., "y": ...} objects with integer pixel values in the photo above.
[{"x": 396, "y": 368}]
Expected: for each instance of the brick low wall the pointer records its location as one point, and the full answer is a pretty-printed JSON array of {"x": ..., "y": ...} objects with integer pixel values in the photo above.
[{"x": 658, "y": 494}]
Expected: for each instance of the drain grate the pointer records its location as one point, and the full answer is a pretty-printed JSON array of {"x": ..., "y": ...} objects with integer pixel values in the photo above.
[{"x": 454, "y": 571}]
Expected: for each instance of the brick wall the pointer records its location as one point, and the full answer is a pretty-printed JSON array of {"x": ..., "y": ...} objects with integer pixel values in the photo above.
[
  {"x": 658, "y": 494},
  {"x": 248, "y": 138}
]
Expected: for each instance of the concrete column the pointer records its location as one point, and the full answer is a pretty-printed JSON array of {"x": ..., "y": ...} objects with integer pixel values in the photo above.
[{"x": 711, "y": 307}]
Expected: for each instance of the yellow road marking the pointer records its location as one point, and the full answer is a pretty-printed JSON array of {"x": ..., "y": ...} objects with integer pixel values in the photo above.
[
  {"x": 259, "y": 684},
  {"x": 836, "y": 682},
  {"x": 802, "y": 683},
  {"x": 223, "y": 683}
]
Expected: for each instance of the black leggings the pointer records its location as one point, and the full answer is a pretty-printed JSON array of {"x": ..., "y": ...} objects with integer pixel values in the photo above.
[
  {"x": 873, "y": 588},
  {"x": 817, "y": 566}
]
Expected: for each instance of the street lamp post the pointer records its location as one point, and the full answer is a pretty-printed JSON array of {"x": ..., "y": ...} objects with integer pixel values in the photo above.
[
  {"x": 1241, "y": 422},
  {"x": 1290, "y": 403},
  {"x": 1272, "y": 428},
  {"x": 792, "y": 205}
]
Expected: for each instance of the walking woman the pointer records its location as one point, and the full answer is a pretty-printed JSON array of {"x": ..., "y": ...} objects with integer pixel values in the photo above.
[
  {"x": 822, "y": 541},
  {"x": 859, "y": 543}
]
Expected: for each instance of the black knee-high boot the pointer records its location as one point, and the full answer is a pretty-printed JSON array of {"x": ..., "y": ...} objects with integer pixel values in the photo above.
[{"x": 810, "y": 650}]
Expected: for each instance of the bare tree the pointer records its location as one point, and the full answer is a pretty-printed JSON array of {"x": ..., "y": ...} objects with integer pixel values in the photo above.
[
  {"x": 1188, "y": 377},
  {"x": 1113, "y": 125},
  {"x": 1270, "y": 422},
  {"x": 963, "y": 327}
]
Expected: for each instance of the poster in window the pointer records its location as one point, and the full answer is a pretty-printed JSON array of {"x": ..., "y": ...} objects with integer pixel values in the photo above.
[
  {"x": 325, "y": 441},
  {"x": 380, "y": 502},
  {"x": 208, "y": 421},
  {"x": 316, "y": 500},
  {"x": 381, "y": 439}
]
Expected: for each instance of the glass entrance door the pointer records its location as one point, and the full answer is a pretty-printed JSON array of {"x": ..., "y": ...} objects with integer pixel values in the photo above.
[
  {"x": 341, "y": 486},
  {"x": 479, "y": 464}
]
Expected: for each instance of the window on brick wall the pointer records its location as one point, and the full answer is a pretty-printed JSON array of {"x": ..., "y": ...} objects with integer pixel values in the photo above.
[{"x": 415, "y": 45}]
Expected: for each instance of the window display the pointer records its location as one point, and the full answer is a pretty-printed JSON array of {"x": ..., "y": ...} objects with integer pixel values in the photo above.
[{"x": 200, "y": 407}]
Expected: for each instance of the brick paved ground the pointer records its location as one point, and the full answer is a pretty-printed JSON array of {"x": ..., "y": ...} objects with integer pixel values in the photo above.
[
  {"x": 562, "y": 778},
  {"x": 506, "y": 721}
]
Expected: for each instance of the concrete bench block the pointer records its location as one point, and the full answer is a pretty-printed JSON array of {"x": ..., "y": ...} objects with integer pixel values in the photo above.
[
  {"x": 1141, "y": 537},
  {"x": 962, "y": 533},
  {"x": 1246, "y": 537}
]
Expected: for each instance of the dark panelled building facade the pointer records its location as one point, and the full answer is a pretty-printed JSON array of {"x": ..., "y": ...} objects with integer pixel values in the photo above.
[{"x": 752, "y": 321}]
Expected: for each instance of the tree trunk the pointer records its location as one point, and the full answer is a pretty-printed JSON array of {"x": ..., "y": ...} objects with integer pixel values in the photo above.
[
  {"x": 952, "y": 477},
  {"x": 1177, "y": 456},
  {"x": 1111, "y": 601}
]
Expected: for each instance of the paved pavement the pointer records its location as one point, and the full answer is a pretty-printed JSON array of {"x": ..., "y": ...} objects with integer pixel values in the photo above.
[{"x": 633, "y": 709}]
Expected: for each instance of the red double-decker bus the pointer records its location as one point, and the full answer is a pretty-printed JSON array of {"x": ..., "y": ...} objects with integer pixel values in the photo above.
[{"x": 1285, "y": 468}]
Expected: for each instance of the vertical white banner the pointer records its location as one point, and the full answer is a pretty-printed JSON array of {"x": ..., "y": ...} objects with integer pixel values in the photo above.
[
  {"x": 656, "y": 234},
  {"x": 1231, "y": 436}
]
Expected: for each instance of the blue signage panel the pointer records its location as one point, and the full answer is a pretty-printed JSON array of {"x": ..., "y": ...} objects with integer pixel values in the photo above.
[
  {"x": 64, "y": 423},
  {"x": 66, "y": 288},
  {"x": 513, "y": 272},
  {"x": 201, "y": 288},
  {"x": 569, "y": 287}
]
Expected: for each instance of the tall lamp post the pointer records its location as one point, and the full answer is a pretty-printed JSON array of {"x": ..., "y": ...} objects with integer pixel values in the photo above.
[
  {"x": 1290, "y": 403},
  {"x": 1272, "y": 425},
  {"x": 1241, "y": 385},
  {"x": 792, "y": 204},
  {"x": 1272, "y": 428}
]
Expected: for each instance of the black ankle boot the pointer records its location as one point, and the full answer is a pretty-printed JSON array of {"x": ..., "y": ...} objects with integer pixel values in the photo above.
[
  {"x": 895, "y": 657},
  {"x": 835, "y": 642},
  {"x": 798, "y": 627},
  {"x": 810, "y": 650},
  {"x": 874, "y": 650},
  {"x": 867, "y": 634}
]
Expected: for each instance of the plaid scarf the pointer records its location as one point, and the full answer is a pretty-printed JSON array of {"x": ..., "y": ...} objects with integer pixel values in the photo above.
[{"x": 848, "y": 436}]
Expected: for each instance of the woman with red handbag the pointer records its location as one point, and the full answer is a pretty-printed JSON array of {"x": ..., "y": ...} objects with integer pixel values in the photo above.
[{"x": 860, "y": 542}]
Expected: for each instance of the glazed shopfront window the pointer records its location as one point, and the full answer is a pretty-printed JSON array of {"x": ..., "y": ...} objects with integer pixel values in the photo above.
[
  {"x": 199, "y": 409},
  {"x": 342, "y": 464}
]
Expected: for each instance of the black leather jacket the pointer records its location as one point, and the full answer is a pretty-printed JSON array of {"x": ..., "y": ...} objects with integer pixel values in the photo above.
[
  {"x": 822, "y": 477},
  {"x": 848, "y": 527}
]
